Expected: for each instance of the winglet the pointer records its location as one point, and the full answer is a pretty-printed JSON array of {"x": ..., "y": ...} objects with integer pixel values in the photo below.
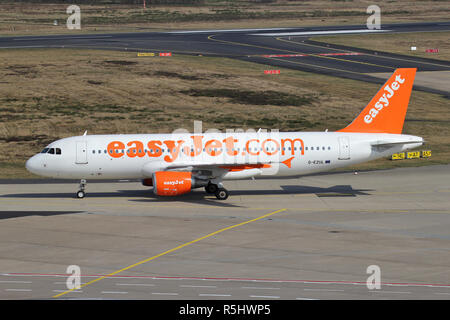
[{"x": 386, "y": 112}]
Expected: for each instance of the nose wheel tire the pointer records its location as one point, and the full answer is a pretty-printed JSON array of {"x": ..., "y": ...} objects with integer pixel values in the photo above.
[
  {"x": 222, "y": 194},
  {"x": 81, "y": 194}
]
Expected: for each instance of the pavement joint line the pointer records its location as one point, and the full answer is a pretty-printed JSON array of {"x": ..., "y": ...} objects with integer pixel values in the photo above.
[{"x": 172, "y": 250}]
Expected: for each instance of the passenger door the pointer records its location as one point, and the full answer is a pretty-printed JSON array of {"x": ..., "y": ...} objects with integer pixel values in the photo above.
[{"x": 81, "y": 152}]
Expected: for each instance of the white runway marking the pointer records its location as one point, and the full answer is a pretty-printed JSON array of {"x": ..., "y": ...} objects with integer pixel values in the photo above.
[
  {"x": 329, "y": 290},
  {"x": 260, "y": 288},
  {"x": 214, "y": 295},
  {"x": 266, "y": 297},
  {"x": 399, "y": 292},
  {"x": 224, "y": 30},
  {"x": 19, "y": 290},
  {"x": 192, "y": 286},
  {"x": 310, "y": 33},
  {"x": 165, "y": 293},
  {"x": 136, "y": 284}
]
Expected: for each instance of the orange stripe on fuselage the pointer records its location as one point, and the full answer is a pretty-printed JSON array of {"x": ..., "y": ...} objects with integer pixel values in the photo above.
[{"x": 245, "y": 167}]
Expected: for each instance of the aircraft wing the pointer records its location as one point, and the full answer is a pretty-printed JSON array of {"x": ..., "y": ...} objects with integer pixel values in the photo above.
[{"x": 214, "y": 168}]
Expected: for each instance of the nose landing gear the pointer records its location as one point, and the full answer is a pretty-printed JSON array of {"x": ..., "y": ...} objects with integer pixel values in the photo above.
[{"x": 81, "y": 193}]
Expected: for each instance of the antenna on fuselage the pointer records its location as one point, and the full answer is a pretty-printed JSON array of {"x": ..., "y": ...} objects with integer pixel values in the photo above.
[{"x": 85, "y": 133}]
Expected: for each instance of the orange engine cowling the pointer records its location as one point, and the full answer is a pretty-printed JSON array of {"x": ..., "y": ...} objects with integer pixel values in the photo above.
[{"x": 172, "y": 183}]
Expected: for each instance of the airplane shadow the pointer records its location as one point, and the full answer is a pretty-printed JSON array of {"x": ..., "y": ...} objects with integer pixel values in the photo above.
[
  {"x": 199, "y": 196},
  {"x": 22, "y": 214}
]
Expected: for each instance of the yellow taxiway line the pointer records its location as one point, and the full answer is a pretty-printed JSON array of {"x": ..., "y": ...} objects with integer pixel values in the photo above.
[{"x": 170, "y": 251}]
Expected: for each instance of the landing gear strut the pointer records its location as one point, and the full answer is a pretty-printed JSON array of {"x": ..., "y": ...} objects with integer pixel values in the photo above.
[
  {"x": 81, "y": 193},
  {"x": 218, "y": 190}
]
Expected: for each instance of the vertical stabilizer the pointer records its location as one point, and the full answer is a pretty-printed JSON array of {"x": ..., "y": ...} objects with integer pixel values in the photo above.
[{"x": 386, "y": 112}]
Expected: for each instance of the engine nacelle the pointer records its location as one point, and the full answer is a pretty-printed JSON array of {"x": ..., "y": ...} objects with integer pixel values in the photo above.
[{"x": 173, "y": 183}]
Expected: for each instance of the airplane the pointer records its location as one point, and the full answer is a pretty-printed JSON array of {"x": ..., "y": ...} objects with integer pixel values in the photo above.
[{"x": 175, "y": 163}]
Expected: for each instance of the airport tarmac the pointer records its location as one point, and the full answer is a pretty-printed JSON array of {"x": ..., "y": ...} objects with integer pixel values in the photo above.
[
  {"x": 304, "y": 238},
  {"x": 288, "y": 48}
]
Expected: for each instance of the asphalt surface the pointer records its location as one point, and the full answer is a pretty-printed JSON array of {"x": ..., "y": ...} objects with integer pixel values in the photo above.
[
  {"x": 285, "y": 47},
  {"x": 304, "y": 238},
  {"x": 297, "y": 239}
]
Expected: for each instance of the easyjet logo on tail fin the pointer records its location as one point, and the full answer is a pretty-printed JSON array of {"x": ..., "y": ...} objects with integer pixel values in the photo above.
[
  {"x": 383, "y": 101},
  {"x": 386, "y": 112}
]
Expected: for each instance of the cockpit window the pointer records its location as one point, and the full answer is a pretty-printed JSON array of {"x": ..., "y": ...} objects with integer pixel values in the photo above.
[{"x": 52, "y": 150}]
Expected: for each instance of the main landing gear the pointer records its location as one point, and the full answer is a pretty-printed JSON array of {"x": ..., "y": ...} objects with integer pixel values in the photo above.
[
  {"x": 219, "y": 191},
  {"x": 81, "y": 193}
]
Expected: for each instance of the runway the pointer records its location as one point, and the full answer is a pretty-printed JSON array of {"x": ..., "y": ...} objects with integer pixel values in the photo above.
[
  {"x": 286, "y": 47},
  {"x": 298, "y": 239}
]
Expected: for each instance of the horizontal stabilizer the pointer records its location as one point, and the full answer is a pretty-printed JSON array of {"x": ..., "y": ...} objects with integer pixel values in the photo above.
[{"x": 385, "y": 143}]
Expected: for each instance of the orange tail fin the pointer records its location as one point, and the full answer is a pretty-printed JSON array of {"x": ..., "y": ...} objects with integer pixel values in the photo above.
[{"x": 386, "y": 112}]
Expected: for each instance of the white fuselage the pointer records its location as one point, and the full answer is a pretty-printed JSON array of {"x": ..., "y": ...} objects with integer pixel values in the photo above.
[{"x": 138, "y": 156}]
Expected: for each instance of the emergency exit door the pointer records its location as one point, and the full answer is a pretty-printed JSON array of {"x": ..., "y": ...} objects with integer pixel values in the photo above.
[{"x": 344, "y": 148}]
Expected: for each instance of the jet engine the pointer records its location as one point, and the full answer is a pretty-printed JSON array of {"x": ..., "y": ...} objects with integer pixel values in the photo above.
[{"x": 173, "y": 183}]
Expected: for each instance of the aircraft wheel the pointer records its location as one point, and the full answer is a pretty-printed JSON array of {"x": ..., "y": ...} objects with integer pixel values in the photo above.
[
  {"x": 211, "y": 188},
  {"x": 222, "y": 194},
  {"x": 81, "y": 194}
]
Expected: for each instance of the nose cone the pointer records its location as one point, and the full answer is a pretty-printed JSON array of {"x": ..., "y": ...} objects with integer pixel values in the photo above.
[{"x": 32, "y": 165}]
